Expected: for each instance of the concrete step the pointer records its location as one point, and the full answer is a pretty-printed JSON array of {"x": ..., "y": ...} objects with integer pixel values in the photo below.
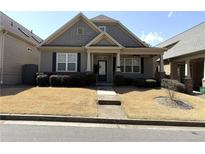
[{"x": 109, "y": 100}]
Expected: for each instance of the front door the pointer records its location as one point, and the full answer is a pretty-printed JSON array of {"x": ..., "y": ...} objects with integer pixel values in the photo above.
[{"x": 102, "y": 73}]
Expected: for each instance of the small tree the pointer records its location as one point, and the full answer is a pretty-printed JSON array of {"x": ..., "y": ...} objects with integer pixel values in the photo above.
[{"x": 171, "y": 88}]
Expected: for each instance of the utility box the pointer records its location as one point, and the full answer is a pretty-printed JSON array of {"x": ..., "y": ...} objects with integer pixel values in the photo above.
[
  {"x": 29, "y": 74},
  {"x": 202, "y": 90}
]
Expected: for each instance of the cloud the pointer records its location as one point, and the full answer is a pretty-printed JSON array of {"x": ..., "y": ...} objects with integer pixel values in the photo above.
[
  {"x": 170, "y": 14},
  {"x": 152, "y": 37}
]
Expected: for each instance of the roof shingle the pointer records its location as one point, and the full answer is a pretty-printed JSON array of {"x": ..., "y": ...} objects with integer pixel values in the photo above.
[
  {"x": 187, "y": 42},
  {"x": 12, "y": 26}
]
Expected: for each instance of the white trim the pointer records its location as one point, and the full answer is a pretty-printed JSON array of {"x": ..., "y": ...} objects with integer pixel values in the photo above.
[
  {"x": 67, "y": 62},
  {"x": 104, "y": 28},
  {"x": 132, "y": 58},
  {"x": 99, "y": 37},
  {"x": 68, "y": 25},
  {"x": 2, "y": 56}
]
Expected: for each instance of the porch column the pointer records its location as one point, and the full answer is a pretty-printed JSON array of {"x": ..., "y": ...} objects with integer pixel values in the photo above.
[
  {"x": 188, "y": 81},
  {"x": 187, "y": 69},
  {"x": 118, "y": 62},
  {"x": 161, "y": 63},
  {"x": 203, "y": 80},
  {"x": 88, "y": 62}
]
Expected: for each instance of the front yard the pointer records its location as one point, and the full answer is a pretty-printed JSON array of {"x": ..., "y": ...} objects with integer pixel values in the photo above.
[
  {"x": 141, "y": 104},
  {"x": 136, "y": 103},
  {"x": 56, "y": 101}
]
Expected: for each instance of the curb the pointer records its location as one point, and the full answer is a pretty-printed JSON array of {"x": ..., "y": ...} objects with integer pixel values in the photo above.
[{"x": 25, "y": 117}]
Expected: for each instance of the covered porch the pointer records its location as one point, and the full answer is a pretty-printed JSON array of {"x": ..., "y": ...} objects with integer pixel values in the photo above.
[
  {"x": 105, "y": 62},
  {"x": 190, "y": 70}
]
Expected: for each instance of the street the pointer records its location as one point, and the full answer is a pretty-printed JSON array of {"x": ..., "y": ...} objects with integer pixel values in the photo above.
[{"x": 63, "y": 132}]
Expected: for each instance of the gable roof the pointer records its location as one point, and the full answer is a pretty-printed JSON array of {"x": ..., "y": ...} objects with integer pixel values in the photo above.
[
  {"x": 10, "y": 25},
  {"x": 68, "y": 25},
  {"x": 187, "y": 42},
  {"x": 100, "y": 37},
  {"x": 105, "y": 19},
  {"x": 102, "y": 18}
]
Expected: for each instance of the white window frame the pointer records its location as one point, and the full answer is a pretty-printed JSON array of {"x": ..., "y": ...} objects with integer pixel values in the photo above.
[
  {"x": 104, "y": 27},
  {"x": 67, "y": 62},
  {"x": 124, "y": 66}
]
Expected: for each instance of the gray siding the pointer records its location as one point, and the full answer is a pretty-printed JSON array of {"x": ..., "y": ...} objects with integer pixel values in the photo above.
[
  {"x": 104, "y": 42},
  {"x": 46, "y": 61},
  {"x": 15, "y": 55},
  {"x": 119, "y": 35},
  {"x": 71, "y": 38},
  {"x": 148, "y": 70}
]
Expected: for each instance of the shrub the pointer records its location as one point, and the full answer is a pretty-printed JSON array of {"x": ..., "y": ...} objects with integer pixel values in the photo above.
[
  {"x": 42, "y": 80},
  {"x": 177, "y": 86},
  {"x": 119, "y": 80},
  {"x": 129, "y": 81},
  {"x": 66, "y": 80},
  {"x": 150, "y": 83},
  {"x": 139, "y": 82},
  {"x": 55, "y": 80},
  {"x": 76, "y": 80},
  {"x": 90, "y": 79}
]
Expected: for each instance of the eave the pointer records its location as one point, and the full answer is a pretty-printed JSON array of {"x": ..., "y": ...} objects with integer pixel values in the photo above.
[{"x": 144, "y": 51}]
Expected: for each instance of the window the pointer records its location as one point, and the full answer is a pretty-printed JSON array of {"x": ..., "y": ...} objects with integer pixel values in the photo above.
[
  {"x": 102, "y": 28},
  {"x": 130, "y": 65},
  {"x": 66, "y": 62},
  {"x": 80, "y": 31}
]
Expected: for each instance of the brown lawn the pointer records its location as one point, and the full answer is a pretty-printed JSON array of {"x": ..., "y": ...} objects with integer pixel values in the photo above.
[
  {"x": 140, "y": 104},
  {"x": 57, "y": 101}
]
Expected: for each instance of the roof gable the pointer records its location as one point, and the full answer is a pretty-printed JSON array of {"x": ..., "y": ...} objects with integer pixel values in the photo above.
[
  {"x": 16, "y": 29},
  {"x": 104, "y": 39},
  {"x": 68, "y": 25},
  {"x": 103, "y": 18},
  {"x": 187, "y": 42}
]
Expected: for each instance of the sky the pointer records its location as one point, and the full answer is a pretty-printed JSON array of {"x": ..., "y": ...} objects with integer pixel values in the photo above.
[{"x": 152, "y": 27}]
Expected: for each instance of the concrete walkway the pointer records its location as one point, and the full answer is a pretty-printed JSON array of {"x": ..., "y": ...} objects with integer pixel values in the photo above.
[{"x": 109, "y": 103}]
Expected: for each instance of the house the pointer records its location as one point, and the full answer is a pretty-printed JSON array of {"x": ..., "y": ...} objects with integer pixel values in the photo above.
[
  {"x": 186, "y": 56},
  {"x": 18, "y": 46},
  {"x": 102, "y": 43}
]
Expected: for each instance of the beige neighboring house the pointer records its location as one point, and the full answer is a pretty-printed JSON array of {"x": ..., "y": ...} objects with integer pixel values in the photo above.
[
  {"x": 17, "y": 47},
  {"x": 185, "y": 57},
  {"x": 82, "y": 45}
]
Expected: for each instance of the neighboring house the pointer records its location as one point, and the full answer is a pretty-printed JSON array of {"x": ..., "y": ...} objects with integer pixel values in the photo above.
[
  {"x": 186, "y": 56},
  {"x": 17, "y": 47},
  {"x": 83, "y": 44}
]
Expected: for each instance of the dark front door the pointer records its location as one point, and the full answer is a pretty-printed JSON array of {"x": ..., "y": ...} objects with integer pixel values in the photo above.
[{"x": 102, "y": 73}]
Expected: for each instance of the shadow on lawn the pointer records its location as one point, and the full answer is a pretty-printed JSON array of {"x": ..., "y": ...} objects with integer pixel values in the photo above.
[
  {"x": 7, "y": 90},
  {"x": 127, "y": 89},
  {"x": 15, "y": 89}
]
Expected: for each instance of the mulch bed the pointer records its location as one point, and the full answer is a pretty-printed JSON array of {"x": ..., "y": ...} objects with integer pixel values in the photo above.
[{"x": 163, "y": 100}]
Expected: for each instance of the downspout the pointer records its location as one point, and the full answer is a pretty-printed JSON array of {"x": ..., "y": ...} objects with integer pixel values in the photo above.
[{"x": 2, "y": 56}]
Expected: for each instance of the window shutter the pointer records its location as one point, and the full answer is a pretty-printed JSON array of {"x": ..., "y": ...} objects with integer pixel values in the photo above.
[
  {"x": 54, "y": 62},
  {"x": 142, "y": 65},
  {"x": 79, "y": 62}
]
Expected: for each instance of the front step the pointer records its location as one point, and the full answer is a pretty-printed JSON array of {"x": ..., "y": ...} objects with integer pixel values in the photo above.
[{"x": 109, "y": 100}]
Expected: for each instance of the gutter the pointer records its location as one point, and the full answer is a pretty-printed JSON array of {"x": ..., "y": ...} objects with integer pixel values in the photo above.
[{"x": 2, "y": 55}]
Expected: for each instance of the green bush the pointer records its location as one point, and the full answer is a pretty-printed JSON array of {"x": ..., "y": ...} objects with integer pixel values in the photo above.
[
  {"x": 119, "y": 80},
  {"x": 55, "y": 80},
  {"x": 66, "y": 80},
  {"x": 173, "y": 84},
  {"x": 91, "y": 79},
  {"x": 42, "y": 80},
  {"x": 139, "y": 82},
  {"x": 150, "y": 83}
]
